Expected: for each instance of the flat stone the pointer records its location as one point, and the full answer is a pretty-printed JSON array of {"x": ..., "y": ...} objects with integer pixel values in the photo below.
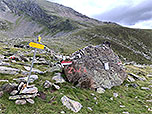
[
  {"x": 4, "y": 81},
  {"x": 122, "y": 106},
  {"x": 58, "y": 78},
  {"x": 8, "y": 70},
  {"x": 20, "y": 102},
  {"x": 34, "y": 70},
  {"x": 137, "y": 77},
  {"x": 145, "y": 88},
  {"x": 130, "y": 79},
  {"x": 22, "y": 97},
  {"x": 24, "y": 79},
  {"x": 56, "y": 86},
  {"x": 29, "y": 90},
  {"x": 8, "y": 87},
  {"x": 14, "y": 92},
  {"x": 125, "y": 112},
  {"x": 47, "y": 84},
  {"x": 56, "y": 68},
  {"x": 71, "y": 104},
  {"x": 90, "y": 108},
  {"x": 31, "y": 101},
  {"x": 149, "y": 101},
  {"x": 149, "y": 76},
  {"x": 150, "y": 86},
  {"x": 100, "y": 90},
  {"x": 62, "y": 112},
  {"x": 4, "y": 64},
  {"x": 20, "y": 86},
  {"x": 115, "y": 95}
]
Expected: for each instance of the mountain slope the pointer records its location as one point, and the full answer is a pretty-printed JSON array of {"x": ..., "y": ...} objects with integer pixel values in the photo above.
[{"x": 25, "y": 19}]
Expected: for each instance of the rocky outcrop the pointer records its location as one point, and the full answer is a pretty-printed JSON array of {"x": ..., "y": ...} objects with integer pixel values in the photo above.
[{"x": 95, "y": 67}]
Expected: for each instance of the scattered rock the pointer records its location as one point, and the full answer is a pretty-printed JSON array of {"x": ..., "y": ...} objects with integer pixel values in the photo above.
[
  {"x": 20, "y": 102},
  {"x": 58, "y": 78},
  {"x": 134, "y": 85},
  {"x": 145, "y": 88},
  {"x": 31, "y": 101},
  {"x": 137, "y": 77},
  {"x": 4, "y": 81},
  {"x": 29, "y": 90},
  {"x": 115, "y": 95},
  {"x": 1, "y": 93},
  {"x": 24, "y": 79},
  {"x": 22, "y": 97},
  {"x": 71, "y": 104},
  {"x": 42, "y": 95},
  {"x": 111, "y": 98},
  {"x": 56, "y": 86},
  {"x": 150, "y": 109},
  {"x": 62, "y": 112},
  {"x": 125, "y": 112},
  {"x": 100, "y": 90},
  {"x": 149, "y": 101},
  {"x": 14, "y": 92},
  {"x": 4, "y": 64},
  {"x": 150, "y": 86},
  {"x": 34, "y": 70},
  {"x": 130, "y": 79},
  {"x": 8, "y": 87},
  {"x": 8, "y": 70},
  {"x": 20, "y": 86},
  {"x": 56, "y": 68},
  {"x": 47, "y": 84},
  {"x": 90, "y": 108},
  {"x": 149, "y": 76},
  {"x": 122, "y": 106}
]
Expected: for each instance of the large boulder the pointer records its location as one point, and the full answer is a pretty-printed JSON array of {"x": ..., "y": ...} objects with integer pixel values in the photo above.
[{"x": 95, "y": 67}]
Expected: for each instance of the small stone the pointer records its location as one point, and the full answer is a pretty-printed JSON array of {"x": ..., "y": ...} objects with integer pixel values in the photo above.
[
  {"x": 29, "y": 90},
  {"x": 150, "y": 109},
  {"x": 125, "y": 112},
  {"x": 22, "y": 102},
  {"x": 90, "y": 108},
  {"x": 14, "y": 92},
  {"x": 100, "y": 90},
  {"x": 150, "y": 86},
  {"x": 1, "y": 93},
  {"x": 20, "y": 86},
  {"x": 122, "y": 106},
  {"x": 22, "y": 97},
  {"x": 111, "y": 98},
  {"x": 130, "y": 79},
  {"x": 71, "y": 104},
  {"x": 115, "y": 95},
  {"x": 92, "y": 94},
  {"x": 47, "y": 84},
  {"x": 62, "y": 112},
  {"x": 31, "y": 101},
  {"x": 4, "y": 81},
  {"x": 95, "y": 98},
  {"x": 134, "y": 85},
  {"x": 149, "y": 101},
  {"x": 145, "y": 88},
  {"x": 149, "y": 76},
  {"x": 56, "y": 86},
  {"x": 58, "y": 78}
]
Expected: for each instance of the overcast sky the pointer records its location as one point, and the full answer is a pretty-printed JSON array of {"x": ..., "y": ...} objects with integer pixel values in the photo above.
[{"x": 131, "y": 13}]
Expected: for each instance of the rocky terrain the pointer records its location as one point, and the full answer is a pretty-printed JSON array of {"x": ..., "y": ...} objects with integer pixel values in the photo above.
[
  {"x": 50, "y": 90},
  {"x": 77, "y": 72}
]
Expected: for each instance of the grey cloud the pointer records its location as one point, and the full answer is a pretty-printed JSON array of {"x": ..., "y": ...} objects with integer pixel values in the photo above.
[{"x": 129, "y": 15}]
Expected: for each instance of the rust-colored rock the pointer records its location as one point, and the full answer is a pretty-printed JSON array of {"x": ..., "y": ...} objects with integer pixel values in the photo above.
[{"x": 94, "y": 67}]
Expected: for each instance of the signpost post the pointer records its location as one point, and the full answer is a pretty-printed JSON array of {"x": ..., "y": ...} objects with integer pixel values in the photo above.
[{"x": 36, "y": 45}]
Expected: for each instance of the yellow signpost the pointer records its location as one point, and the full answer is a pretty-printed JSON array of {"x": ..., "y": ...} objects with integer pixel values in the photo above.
[{"x": 36, "y": 45}]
